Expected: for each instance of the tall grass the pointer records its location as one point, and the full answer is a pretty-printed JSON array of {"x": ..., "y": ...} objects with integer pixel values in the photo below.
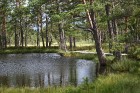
[
  {"x": 127, "y": 65},
  {"x": 112, "y": 83},
  {"x": 117, "y": 83}
]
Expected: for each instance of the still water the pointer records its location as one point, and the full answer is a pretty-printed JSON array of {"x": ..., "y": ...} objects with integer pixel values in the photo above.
[{"x": 42, "y": 70}]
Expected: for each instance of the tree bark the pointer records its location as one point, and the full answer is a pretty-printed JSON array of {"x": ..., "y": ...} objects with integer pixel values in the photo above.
[
  {"x": 4, "y": 41},
  {"x": 16, "y": 34},
  {"x": 74, "y": 42},
  {"x": 110, "y": 28},
  {"x": 93, "y": 26},
  {"x": 71, "y": 42},
  {"x": 61, "y": 30},
  {"x": 41, "y": 28},
  {"x": 26, "y": 33},
  {"x": 47, "y": 38},
  {"x": 21, "y": 31},
  {"x": 38, "y": 33},
  {"x": 62, "y": 37}
]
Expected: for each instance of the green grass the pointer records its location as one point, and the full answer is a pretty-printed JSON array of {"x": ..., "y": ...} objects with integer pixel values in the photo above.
[
  {"x": 117, "y": 83},
  {"x": 13, "y": 50},
  {"x": 126, "y": 65},
  {"x": 112, "y": 83},
  {"x": 80, "y": 55},
  {"x": 34, "y": 90}
]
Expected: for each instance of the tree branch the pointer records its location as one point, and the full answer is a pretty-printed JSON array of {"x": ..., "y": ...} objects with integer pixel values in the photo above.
[{"x": 84, "y": 28}]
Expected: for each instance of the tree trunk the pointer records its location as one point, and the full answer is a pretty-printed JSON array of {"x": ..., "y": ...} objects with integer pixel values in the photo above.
[
  {"x": 47, "y": 39},
  {"x": 61, "y": 30},
  {"x": 4, "y": 41},
  {"x": 96, "y": 35},
  {"x": 16, "y": 35},
  {"x": 42, "y": 36},
  {"x": 21, "y": 33},
  {"x": 26, "y": 33},
  {"x": 38, "y": 33},
  {"x": 74, "y": 42},
  {"x": 110, "y": 28},
  {"x": 62, "y": 37},
  {"x": 41, "y": 29},
  {"x": 71, "y": 42}
]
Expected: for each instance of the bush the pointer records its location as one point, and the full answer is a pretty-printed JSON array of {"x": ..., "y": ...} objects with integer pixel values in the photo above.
[{"x": 125, "y": 65}]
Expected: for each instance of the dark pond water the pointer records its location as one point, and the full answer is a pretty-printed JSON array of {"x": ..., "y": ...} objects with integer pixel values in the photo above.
[{"x": 42, "y": 70}]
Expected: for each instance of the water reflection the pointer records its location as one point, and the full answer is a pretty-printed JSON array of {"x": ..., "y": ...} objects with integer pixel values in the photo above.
[{"x": 42, "y": 70}]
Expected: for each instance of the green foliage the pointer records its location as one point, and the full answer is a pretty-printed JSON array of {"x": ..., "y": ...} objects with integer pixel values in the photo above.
[
  {"x": 135, "y": 52},
  {"x": 56, "y": 18},
  {"x": 117, "y": 83},
  {"x": 126, "y": 65}
]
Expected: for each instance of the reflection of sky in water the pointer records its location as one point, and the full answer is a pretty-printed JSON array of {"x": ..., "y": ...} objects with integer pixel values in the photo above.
[
  {"x": 85, "y": 69},
  {"x": 43, "y": 69}
]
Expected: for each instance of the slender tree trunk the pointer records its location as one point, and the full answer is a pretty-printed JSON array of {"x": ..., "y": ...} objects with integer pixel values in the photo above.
[
  {"x": 21, "y": 33},
  {"x": 26, "y": 33},
  {"x": 16, "y": 35},
  {"x": 115, "y": 30},
  {"x": 50, "y": 40},
  {"x": 71, "y": 42},
  {"x": 62, "y": 37},
  {"x": 4, "y": 41},
  {"x": 74, "y": 42},
  {"x": 38, "y": 33},
  {"x": 41, "y": 29},
  {"x": 47, "y": 37},
  {"x": 114, "y": 25},
  {"x": 110, "y": 28},
  {"x": 42, "y": 36},
  {"x": 61, "y": 30}
]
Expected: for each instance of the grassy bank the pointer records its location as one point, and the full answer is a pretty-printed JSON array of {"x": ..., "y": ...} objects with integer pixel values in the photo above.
[
  {"x": 13, "y": 50},
  {"x": 112, "y": 83}
]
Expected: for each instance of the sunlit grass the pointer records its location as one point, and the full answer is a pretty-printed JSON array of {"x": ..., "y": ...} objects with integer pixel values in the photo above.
[
  {"x": 112, "y": 83},
  {"x": 118, "y": 83},
  {"x": 126, "y": 65}
]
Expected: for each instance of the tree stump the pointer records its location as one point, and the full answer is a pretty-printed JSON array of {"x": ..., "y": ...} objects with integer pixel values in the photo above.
[{"x": 118, "y": 55}]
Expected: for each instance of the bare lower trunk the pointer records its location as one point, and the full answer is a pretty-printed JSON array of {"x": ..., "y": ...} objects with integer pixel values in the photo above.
[
  {"x": 4, "y": 41},
  {"x": 99, "y": 50},
  {"x": 71, "y": 42},
  {"x": 21, "y": 31},
  {"x": 41, "y": 29},
  {"x": 38, "y": 33},
  {"x": 62, "y": 37},
  {"x": 26, "y": 33},
  {"x": 47, "y": 39},
  {"x": 74, "y": 42},
  {"x": 110, "y": 28},
  {"x": 16, "y": 37},
  {"x": 96, "y": 34}
]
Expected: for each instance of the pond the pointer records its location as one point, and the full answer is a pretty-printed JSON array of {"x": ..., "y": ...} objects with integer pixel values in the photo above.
[{"x": 43, "y": 69}]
